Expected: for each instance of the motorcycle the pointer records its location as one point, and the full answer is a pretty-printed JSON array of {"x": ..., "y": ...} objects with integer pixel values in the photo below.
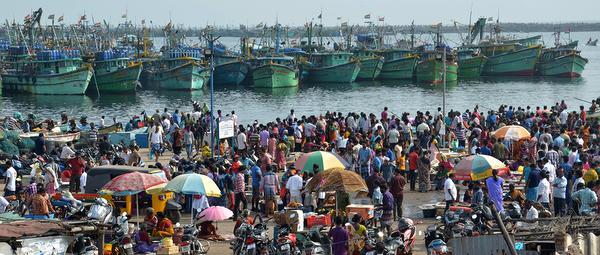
[
  {"x": 101, "y": 211},
  {"x": 481, "y": 215},
  {"x": 437, "y": 247},
  {"x": 315, "y": 243},
  {"x": 190, "y": 244},
  {"x": 402, "y": 240},
  {"x": 122, "y": 242},
  {"x": 244, "y": 242},
  {"x": 173, "y": 210},
  {"x": 83, "y": 246},
  {"x": 286, "y": 242}
]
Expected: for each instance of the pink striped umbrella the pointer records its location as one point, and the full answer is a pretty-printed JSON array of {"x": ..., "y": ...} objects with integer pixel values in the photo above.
[{"x": 215, "y": 213}]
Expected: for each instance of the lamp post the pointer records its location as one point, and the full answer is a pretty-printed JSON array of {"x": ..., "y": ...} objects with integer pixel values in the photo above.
[{"x": 210, "y": 53}]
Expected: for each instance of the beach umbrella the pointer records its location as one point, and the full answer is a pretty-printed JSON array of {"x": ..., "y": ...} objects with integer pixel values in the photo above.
[
  {"x": 512, "y": 132},
  {"x": 478, "y": 167},
  {"x": 336, "y": 180},
  {"x": 193, "y": 184},
  {"x": 157, "y": 189},
  {"x": 131, "y": 184},
  {"x": 325, "y": 160},
  {"x": 215, "y": 213}
]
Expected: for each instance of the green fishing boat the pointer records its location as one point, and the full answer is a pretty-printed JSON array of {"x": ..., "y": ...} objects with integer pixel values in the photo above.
[
  {"x": 399, "y": 64},
  {"x": 514, "y": 62},
  {"x": 117, "y": 75},
  {"x": 470, "y": 63},
  {"x": 52, "y": 72},
  {"x": 182, "y": 73},
  {"x": 229, "y": 70},
  {"x": 370, "y": 64},
  {"x": 332, "y": 67},
  {"x": 275, "y": 72},
  {"x": 561, "y": 62},
  {"x": 430, "y": 68}
]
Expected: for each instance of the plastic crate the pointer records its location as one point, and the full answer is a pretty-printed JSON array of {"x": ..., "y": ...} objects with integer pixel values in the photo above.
[{"x": 318, "y": 220}]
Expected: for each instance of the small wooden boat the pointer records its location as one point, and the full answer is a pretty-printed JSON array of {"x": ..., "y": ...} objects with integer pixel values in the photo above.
[
  {"x": 53, "y": 137},
  {"x": 109, "y": 129}
]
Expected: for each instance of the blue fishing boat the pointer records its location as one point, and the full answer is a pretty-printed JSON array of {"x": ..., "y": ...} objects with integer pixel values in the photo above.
[{"x": 230, "y": 70}]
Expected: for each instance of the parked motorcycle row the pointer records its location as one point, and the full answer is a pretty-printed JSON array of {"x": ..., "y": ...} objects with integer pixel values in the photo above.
[
  {"x": 254, "y": 239},
  {"x": 454, "y": 224}
]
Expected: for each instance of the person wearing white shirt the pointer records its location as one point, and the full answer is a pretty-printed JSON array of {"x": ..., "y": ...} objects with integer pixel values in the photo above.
[
  {"x": 83, "y": 181},
  {"x": 550, "y": 169},
  {"x": 156, "y": 140},
  {"x": 544, "y": 191},
  {"x": 67, "y": 152},
  {"x": 393, "y": 137},
  {"x": 166, "y": 123},
  {"x": 242, "y": 141},
  {"x": 11, "y": 179},
  {"x": 3, "y": 204},
  {"x": 532, "y": 214},
  {"x": 559, "y": 192},
  {"x": 294, "y": 185},
  {"x": 578, "y": 180},
  {"x": 450, "y": 192}
]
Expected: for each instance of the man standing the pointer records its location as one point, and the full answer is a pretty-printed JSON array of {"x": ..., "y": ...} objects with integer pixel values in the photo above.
[
  {"x": 77, "y": 166},
  {"x": 450, "y": 192},
  {"x": 40, "y": 145},
  {"x": 156, "y": 141},
  {"x": 11, "y": 179},
  {"x": 339, "y": 237},
  {"x": 413, "y": 159},
  {"x": 364, "y": 159},
  {"x": 40, "y": 204},
  {"x": 559, "y": 192},
  {"x": 586, "y": 197},
  {"x": 239, "y": 191},
  {"x": 544, "y": 191},
  {"x": 270, "y": 188},
  {"x": 397, "y": 189},
  {"x": 242, "y": 142},
  {"x": 256, "y": 175},
  {"x": 294, "y": 186}
]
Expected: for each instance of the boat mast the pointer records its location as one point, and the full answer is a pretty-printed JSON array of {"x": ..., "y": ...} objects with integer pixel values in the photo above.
[{"x": 412, "y": 34}]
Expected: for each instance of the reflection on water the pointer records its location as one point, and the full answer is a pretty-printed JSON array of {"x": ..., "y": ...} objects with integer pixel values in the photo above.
[{"x": 277, "y": 92}]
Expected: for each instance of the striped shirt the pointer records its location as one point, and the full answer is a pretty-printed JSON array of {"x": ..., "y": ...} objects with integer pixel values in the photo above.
[
  {"x": 270, "y": 180},
  {"x": 239, "y": 186}
]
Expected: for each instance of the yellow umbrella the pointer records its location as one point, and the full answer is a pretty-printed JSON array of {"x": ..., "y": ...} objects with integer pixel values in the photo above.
[
  {"x": 512, "y": 132},
  {"x": 157, "y": 189}
]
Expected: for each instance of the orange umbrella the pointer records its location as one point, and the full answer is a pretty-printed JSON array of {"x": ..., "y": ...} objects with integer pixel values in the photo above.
[{"x": 512, "y": 132}]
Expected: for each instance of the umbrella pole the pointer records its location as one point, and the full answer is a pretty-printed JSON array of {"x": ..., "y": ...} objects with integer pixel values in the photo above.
[{"x": 137, "y": 210}]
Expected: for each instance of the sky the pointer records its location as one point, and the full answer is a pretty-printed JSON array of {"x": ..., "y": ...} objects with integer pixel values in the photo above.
[{"x": 198, "y": 13}]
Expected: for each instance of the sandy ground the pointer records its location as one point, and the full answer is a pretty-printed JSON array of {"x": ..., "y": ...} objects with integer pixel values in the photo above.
[{"x": 411, "y": 202}]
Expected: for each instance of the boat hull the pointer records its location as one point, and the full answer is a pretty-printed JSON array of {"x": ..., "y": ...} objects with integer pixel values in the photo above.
[
  {"x": 335, "y": 74},
  {"x": 515, "y": 63},
  {"x": 189, "y": 76},
  {"x": 121, "y": 81},
  {"x": 570, "y": 66},
  {"x": 232, "y": 73},
  {"x": 432, "y": 71},
  {"x": 275, "y": 76},
  {"x": 403, "y": 68},
  {"x": 370, "y": 68},
  {"x": 70, "y": 83},
  {"x": 471, "y": 67}
]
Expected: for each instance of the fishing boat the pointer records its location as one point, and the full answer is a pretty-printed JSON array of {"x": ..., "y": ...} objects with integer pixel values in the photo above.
[
  {"x": 48, "y": 72},
  {"x": 591, "y": 42},
  {"x": 275, "y": 72},
  {"x": 430, "y": 68},
  {"x": 230, "y": 70},
  {"x": 332, "y": 67},
  {"x": 178, "y": 69},
  {"x": 470, "y": 63},
  {"x": 398, "y": 64},
  {"x": 117, "y": 74},
  {"x": 561, "y": 62},
  {"x": 370, "y": 64},
  {"x": 512, "y": 62},
  {"x": 52, "y": 136}
]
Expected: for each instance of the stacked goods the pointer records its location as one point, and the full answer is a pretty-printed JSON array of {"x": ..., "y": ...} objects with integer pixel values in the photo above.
[
  {"x": 49, "y": 55},
  {"x": 110, "y": 54},
  {"x": 4, "y": 45},
  {"x": 17, "y": 50},
  {"x": 71, "y": 53}
]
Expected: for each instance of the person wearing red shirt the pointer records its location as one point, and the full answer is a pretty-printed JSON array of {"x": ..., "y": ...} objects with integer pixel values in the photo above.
[
  {"x": 413, "y": 158},
  {"x": 77, "y": 166}
]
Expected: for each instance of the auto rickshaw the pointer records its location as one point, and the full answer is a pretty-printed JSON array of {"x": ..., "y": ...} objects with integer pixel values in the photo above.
[{"x": 98, "y": 176}]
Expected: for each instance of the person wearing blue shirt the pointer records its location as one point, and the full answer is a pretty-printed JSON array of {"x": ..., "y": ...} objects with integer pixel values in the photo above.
[
  {"x": 177, "y": 118},
  {"x": 256, "y": 178},
  {"x": 485, "y": 150}
]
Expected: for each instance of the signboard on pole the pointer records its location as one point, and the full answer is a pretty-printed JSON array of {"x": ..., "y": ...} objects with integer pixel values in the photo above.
[{"x": 226, "y": 128}]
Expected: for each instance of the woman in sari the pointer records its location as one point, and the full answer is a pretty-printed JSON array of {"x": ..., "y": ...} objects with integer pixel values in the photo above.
[
  {"x": 280, "y": 155},
  {"x": 423, "y": 167}
]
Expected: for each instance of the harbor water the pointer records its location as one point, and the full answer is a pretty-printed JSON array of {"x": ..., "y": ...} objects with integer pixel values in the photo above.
[{"x": 363, "y": 96}]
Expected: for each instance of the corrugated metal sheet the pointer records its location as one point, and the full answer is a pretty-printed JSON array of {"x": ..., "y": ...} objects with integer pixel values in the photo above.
[
  {"x": 588, "y": 244},
  {"x": 477, "y": 245}
]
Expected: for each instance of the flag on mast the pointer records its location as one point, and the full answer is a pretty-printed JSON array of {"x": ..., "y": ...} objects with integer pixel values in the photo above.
[
  {"x": 320, "y": 16},
  {"x": 339, "y": 18},
  {"x": 381, "y": 18},
  {"x": 124, "y": 16},
  {"x": 61, "y": 18},
  {"x": 51, "y": 16},
  {"x": 368, "y": 16}
]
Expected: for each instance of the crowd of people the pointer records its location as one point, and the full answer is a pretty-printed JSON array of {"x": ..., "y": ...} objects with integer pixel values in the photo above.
[{"x": 558, "y": 162}]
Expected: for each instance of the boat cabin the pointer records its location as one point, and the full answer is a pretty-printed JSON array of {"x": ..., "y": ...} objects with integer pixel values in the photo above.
[
  {"x": 284, "y": 61},
  {"x": 330, "y": 59},
  {"x": 111, "y": 65},
  {"x": 394, "y": 54}
]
